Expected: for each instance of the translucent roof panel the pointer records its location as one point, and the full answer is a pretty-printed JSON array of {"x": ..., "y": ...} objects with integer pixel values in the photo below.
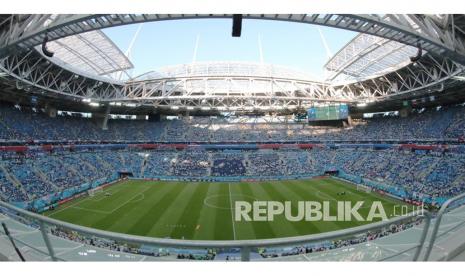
[
  {"x": 92, "y": 52},
  {"x": 368, "y": 56},
  {"x": 225, "y": 68}
]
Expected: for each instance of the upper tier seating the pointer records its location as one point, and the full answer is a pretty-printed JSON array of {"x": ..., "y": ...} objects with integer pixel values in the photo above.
[{"x": 24, "y": 124}]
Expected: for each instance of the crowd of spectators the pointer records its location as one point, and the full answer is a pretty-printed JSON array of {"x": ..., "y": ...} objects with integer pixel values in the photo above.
[
  {"x": 34, "y": 175},
  {"x": 28, "y": 176},
  {"x": 418, "y": 173},
  {"x": 20, "y": 123},
  {"x": 228, "y": 163}
]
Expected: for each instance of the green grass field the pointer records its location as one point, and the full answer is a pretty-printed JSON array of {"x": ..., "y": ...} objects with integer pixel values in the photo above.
[{"x": 203, "y": 211}]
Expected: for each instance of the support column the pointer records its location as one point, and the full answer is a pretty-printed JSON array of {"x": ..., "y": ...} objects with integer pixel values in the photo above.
[
  {"x": 349, "y": 120},
  {"x": 245, "y": 254},
  {"x": 105, "y": 118},
  {"x": 51, "y": 111},
  {"x": 154, "y": 117},
  {"x": 101, "y": 119},
  {"x": 48, "y": 244},
  {"x": 405, "y": 112}
]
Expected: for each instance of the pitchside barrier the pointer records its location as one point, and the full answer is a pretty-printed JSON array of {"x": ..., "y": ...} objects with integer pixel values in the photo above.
[
  {"x": 446, "y": 208},
  {"x": 44, "y": 224}
]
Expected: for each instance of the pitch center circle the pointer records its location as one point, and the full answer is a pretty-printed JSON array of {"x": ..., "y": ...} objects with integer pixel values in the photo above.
[{"x": 211, "y": 201}]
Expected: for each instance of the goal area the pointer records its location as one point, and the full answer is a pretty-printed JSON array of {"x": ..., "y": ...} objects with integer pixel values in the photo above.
[
  {"x": 364, "y": 188},
  {"x": 95, "y": 191}
]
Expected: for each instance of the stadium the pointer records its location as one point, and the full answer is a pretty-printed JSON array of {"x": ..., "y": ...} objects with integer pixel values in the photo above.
[{"x": 232, "y": 160}]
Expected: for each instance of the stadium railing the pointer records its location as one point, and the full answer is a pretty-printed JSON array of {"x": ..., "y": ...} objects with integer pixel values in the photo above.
[
  {"x": 245, "y": 246},
  {"x": 448, "y": 206}
]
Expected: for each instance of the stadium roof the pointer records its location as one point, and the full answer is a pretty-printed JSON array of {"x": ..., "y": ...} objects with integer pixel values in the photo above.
[
  {"x": 375, "y": 72},
  {"x": 92, "y": 52},
  {"x": 225, "y": 68},
  {"x": 367, "y": 56}
]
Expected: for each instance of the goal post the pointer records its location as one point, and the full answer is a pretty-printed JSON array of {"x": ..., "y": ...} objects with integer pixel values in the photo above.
[
  {"x": 364, "y": 188},
  {"x": 95, "y": 191}
]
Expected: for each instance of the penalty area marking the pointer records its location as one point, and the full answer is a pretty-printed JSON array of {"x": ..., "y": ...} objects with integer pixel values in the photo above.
[
  {"x": 79, "y": 201},
  {"x": 103, "y": 196},
  {"x": 132, "y": 199}
]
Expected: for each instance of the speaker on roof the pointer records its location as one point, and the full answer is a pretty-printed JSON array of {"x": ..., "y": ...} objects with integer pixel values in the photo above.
[
  {"x": 44, "y": 47},
  {"x": 237, "y": 25}
]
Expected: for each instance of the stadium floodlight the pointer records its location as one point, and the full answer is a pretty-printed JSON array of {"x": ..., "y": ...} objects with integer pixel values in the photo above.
[
  {"x": 361, "y": 104},
  {"x": 190, "y": 108},
  {"x": 174, "y": 107},
  {"x": 94, "y": 104},
  {"x": 206, "y": 108},
  {"x": 86, "y": 100}
]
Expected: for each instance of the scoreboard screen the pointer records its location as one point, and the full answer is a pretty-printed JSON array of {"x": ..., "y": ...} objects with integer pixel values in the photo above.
[{"x": 328, "y": 113}]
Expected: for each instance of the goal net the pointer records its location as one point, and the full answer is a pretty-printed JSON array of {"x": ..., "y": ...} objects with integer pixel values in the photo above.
[
  {"x": 364, "y": 188},
  {"x": 95, "y": 191}
]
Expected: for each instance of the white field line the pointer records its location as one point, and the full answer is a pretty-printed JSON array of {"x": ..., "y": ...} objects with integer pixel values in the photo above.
[
  {"x": 129, "y": 200},
  {"x": 69, "y": 206},
  {"x": 74, "y": 204},
  {"x": 99, "y": 211},
  {"x": 116, "y": 208},
  {"x": 102, "y": 196},
  {"x": 232, "y": 211}
]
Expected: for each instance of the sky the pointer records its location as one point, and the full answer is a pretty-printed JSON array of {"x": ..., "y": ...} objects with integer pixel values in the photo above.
[{"x": 173, "y": 42}]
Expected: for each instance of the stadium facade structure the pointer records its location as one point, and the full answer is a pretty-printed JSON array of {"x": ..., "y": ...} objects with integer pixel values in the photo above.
[
  {"x": 373, "y": 67},
  {"x": 374, "y": 70}
]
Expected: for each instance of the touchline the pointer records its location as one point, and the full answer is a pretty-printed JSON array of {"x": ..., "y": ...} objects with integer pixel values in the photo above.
[{"x": 307, "y": 210}]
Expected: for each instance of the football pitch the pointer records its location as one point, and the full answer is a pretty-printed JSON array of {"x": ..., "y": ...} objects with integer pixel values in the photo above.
[{"x": 204, "y": 210}]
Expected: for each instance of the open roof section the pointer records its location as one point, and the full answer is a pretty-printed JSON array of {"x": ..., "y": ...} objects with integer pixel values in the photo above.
[
  {"x": 92, "y": 52},
  {"x": 225, "y": 68}
]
